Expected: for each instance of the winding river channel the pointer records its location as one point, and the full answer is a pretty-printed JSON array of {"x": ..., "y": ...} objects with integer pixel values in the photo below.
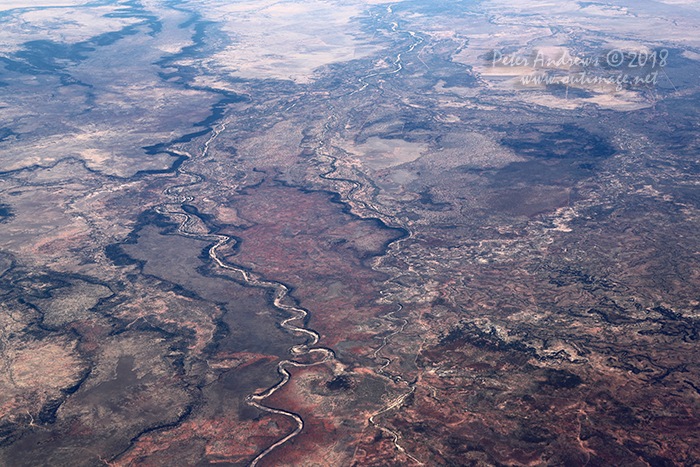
[{"x": 174, "y": 209}]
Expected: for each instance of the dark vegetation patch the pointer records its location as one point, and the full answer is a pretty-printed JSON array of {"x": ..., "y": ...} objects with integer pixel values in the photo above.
[
  {"x": 6, "y": 133},
  {"x": 562, "y": 379},
  {"x": 340, "y": 382},
  {"x": 490, "y": 341},
  {"x": 569, "y": 142},
  {"x": 5, "y": 212}
]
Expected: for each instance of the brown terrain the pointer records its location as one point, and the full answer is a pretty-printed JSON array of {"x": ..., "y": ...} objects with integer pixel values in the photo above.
[{"x": 233, "y": 236}]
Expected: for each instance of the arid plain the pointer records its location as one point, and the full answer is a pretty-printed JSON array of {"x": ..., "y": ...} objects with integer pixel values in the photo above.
[{"x": 318, "y": 233}]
